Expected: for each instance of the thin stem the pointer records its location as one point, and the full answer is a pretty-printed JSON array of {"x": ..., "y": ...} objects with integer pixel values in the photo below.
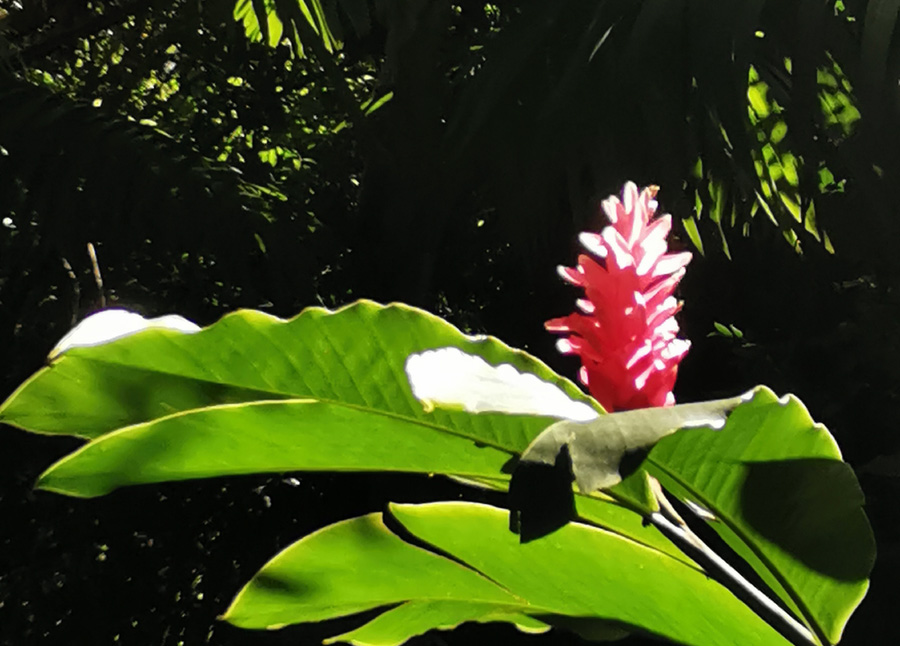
[
  {"x": 98, "y": 277},
  {"x": 672, "y": 525}
]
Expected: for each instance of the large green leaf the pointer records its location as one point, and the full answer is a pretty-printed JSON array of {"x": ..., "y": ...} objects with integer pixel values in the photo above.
[
  {"x": 179, "y": 403},
  {"x": 359, "y": 564},
  {"x": 355, "y": 356},
  {"x": 331, "y": 391},
  {"x": 254, "y": 393},
  {"x": 603, "y": 579},
  {"x": 269, "y": 436},
  {"x": 785, "y": 502},
  {"x": 593, "y": 452},
  {"x": 354, "y": 565}
]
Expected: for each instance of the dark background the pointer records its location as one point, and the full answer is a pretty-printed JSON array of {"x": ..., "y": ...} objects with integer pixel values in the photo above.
[{"x": 213, "y": 173}]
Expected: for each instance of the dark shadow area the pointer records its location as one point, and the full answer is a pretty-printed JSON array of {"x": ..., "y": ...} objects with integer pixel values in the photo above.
[
  {"x": 631, "y": 461},
  {"x": 811, "y": 509},
  {"x": 281, "y": 585},
  {"x": 541, "y": 499},
  {"x": 595, "y": 630},
  {"x": 304, "y": 634}
]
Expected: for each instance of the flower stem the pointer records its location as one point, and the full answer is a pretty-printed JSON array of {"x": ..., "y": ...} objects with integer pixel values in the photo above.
[{"x": 670, "y": 523}]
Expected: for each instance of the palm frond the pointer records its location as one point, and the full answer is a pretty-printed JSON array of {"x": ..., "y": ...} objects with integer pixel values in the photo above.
[{"x": 300, "y": 21}]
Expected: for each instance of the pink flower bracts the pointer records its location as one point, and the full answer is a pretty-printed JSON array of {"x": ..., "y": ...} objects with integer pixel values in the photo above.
[{"x": 626, "y": 332}]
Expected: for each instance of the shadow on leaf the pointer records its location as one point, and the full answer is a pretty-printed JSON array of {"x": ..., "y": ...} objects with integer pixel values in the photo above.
[{"x": 812, "y": 509}]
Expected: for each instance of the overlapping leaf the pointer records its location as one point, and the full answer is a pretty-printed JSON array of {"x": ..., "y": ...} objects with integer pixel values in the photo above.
[
  {"x": 253, "y": 393},
  {"x": 783, "y": 499},
  {"x": 328, "y": 391},
  {"x": 599, "y": 578},
  {"x": 354, "y": 356},
  {"x": 265, "y": 20},
  {"x": 785, "y": 502}
]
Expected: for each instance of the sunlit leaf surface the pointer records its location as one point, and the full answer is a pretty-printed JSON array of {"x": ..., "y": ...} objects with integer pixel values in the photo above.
[{"x": 579, "y": 572}]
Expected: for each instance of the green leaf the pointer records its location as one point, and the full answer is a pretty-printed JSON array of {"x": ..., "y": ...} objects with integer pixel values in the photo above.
[
  {"x": 268, "y": 436},
  {"x": 253, "y": 393},
  {"x": 540, "y": 491},
  {"x": 346, "y": 367},
  {"x": 690, "y": 227},
  {"x": 783, "y": 499},
  {"x": 413, "y": 618},
  {"x": 604, "y": 511},
  {"x": 580, "y": 573},
  {"x": 785, "y": 502},
  {"x": 371, "y": 106},
  {"x": 355, "y": 355},
  {"x": 331, "y": 390},
  {"x": 596, "y": 447},
  {"x": 260, "y": 21},
  {"x": 264, "y": 20},
  {"x": 721, "y": 329},
  {"x": 351, "y": 566}
]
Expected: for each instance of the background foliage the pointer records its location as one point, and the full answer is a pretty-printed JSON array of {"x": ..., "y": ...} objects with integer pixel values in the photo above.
[{"x": 442, "y": 154}]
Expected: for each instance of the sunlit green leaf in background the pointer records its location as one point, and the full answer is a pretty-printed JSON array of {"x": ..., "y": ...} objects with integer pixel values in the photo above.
[
  {"x": 265, "y": 20},
  {"x": 259, "y": 20}
]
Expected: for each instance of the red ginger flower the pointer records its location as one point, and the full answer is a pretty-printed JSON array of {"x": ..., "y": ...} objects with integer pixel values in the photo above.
[{"x": 627, "y": 334}]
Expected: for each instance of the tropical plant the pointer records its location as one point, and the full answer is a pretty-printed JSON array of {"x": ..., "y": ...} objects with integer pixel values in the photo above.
[
  {"x": 392, "y": 388},
  {"x": 257, "y": 394},
  {"x": 466, "y": 149}
]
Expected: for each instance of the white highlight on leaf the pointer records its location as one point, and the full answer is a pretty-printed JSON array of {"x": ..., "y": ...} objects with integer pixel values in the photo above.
[
  {"x": 450, "y": 377},
  {"x": 700, "y": 511},
  {"x": 109, "y": 325},
  {"x": 714, "y": 422}
]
